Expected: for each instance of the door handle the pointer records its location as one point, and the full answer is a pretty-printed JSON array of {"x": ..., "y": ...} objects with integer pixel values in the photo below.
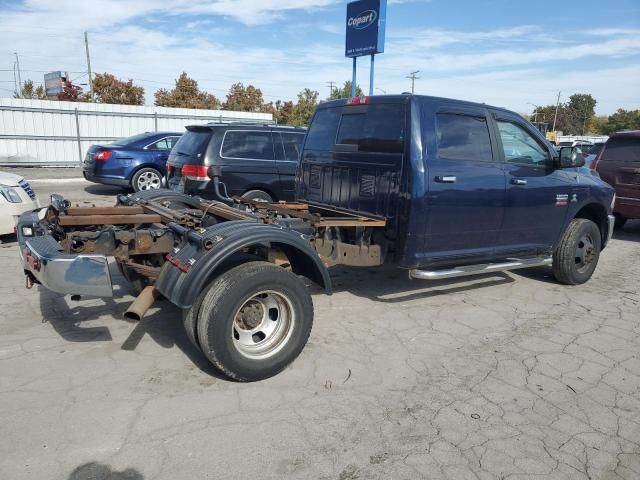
[
  {"x": 446, "y": 179},
  {"x": 518, "y": 181}
]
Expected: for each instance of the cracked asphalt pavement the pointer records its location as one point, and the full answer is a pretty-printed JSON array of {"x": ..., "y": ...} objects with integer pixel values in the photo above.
[{"x": 507, "y": 376}]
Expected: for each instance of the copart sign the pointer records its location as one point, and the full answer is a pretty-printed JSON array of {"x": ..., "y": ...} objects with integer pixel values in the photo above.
[{"x": 365, "y": 27}]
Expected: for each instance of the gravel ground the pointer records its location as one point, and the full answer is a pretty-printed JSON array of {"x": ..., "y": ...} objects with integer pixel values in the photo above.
[{"x": 503, "y": 376}]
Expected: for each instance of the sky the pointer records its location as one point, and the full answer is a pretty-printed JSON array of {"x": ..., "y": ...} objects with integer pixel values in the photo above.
[{"x": 507, "y": 53}]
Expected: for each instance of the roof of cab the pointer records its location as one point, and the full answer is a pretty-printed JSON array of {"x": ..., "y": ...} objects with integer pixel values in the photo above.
[
  {"x": 404, "y": 98},
  {"x": 626, "y": 133}
]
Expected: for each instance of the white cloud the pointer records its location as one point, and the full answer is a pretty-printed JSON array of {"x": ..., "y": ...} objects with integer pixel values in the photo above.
[
  {"x": 507, "y": 66},
  {"x": 253, "y": 12}
]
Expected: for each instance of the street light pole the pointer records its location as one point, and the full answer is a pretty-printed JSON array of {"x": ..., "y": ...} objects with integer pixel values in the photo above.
[{"x": 535, "y": 112}]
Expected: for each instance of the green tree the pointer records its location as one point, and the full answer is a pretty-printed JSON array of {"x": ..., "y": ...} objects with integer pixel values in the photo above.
[
  {"x": 304, "y": 108},
  {"x": 345, "y": 91},
  {"x": 244, "y": 99},
  {"x": 28, "y": 91},
  {"x": 186, "y": 94},
  {"x": 623, "y": 120},
  {"x": 599, "y": 124},
  {"x": 547, "y": 113},
  {"x": 580, "y": 110},
  {"x": 109, "y": 89}
]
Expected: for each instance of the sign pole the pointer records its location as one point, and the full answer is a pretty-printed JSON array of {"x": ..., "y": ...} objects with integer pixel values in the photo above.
[
  {"x": 353, "y": 79},
  {"x": 373, "y": 57}
]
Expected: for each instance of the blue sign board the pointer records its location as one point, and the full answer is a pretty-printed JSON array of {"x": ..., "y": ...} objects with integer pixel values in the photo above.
[{"x": 365, "y": 27}]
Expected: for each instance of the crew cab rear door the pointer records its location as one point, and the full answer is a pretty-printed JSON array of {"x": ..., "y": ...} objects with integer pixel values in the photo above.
[
  {"x": 538, "y": 194},
  {"x": 466, "y": 185}
]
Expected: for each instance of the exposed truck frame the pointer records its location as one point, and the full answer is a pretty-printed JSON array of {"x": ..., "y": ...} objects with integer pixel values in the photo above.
[{"x": 175, "y": 245}]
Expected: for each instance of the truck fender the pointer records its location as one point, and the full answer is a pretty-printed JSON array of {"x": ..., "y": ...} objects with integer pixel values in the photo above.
[{"x": 191, "y": 267}]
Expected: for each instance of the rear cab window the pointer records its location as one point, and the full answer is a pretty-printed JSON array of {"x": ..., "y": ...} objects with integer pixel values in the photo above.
[
  {"x": 375, "y": 128},
  {"x": 622, "y": 149},
  {"x": 380, "y": 128}
]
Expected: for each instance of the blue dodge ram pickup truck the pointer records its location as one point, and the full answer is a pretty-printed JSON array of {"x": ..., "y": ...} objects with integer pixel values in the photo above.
[{"x": 438, "y": 187}]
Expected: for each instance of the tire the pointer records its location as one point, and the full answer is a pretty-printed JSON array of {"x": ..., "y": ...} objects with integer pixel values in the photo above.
[
  {"x": 190, "y": 316},
  {"x": 146, "y": 179},
  {"x": 258, "y": 196},
  {"x": 576, "y": 256},
  {"x": 235, "y": 326},
  {"x": 620, "y": 221}
]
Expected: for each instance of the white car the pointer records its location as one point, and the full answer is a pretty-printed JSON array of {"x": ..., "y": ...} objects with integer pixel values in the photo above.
[{"x": 16, "y": 197}]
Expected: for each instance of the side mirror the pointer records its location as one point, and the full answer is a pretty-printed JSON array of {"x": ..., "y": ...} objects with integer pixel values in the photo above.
[{"x": 571, "y": 157}]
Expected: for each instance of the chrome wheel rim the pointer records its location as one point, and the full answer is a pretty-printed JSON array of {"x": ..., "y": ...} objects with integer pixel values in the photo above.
[
  {"x": 585, "y": 253},
  {"x": 149, "y": 181},
  {"x": 263, "y": 325}
]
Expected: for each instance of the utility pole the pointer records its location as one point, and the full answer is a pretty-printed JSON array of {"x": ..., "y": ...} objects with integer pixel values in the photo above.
[
  {"x": 86, "y": 46},
  {"x": 555, "y": 118},
  {"x": 15, "y": 82},
  {"x": 330, "y": 85},
  {"x": 413, "y": 78},
  {"x": 19, "y": 77}
]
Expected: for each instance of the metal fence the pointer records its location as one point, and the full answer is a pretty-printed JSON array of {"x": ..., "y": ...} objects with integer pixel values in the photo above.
[{"x": 43, "y": 132}]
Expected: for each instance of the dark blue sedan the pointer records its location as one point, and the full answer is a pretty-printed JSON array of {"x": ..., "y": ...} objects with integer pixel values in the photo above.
[{"x": 138, "y": 162}]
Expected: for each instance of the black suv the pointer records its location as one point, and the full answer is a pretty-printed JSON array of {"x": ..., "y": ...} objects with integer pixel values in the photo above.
[{"x": 218, "y": 161}]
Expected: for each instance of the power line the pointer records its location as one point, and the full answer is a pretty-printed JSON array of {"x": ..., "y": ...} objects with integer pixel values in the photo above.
[{"x": 413, "y": 78}]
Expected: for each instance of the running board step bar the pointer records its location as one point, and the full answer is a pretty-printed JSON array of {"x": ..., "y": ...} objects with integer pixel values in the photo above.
[{"x": 512, "y": 264}]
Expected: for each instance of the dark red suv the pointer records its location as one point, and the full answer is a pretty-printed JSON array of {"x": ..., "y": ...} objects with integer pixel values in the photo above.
[{"x": 619, "y": 165}]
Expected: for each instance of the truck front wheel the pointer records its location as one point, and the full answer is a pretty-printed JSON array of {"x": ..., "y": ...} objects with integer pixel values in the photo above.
[
  {"x": 254, "y": 321},
  {"x": 576, "y": 257}
]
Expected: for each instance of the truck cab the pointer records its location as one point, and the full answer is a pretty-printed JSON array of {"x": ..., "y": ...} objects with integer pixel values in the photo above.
[{"x": 459, "y": 183}]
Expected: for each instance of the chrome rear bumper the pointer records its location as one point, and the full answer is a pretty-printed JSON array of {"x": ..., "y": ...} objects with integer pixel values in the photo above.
[
  {"x": 63, "y": 273},
  {"x": 612, "y": 222}
]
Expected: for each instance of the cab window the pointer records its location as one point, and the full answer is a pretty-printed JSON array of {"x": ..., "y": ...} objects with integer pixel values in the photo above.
[
  {"x": 463, "y": 137},
  {"x": 520, "y": 146}
]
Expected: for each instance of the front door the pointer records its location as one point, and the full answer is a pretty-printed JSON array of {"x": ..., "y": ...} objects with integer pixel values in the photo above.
[
  {"x": 466, "y": 188},
  {"x": 538, "y": 195}
]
